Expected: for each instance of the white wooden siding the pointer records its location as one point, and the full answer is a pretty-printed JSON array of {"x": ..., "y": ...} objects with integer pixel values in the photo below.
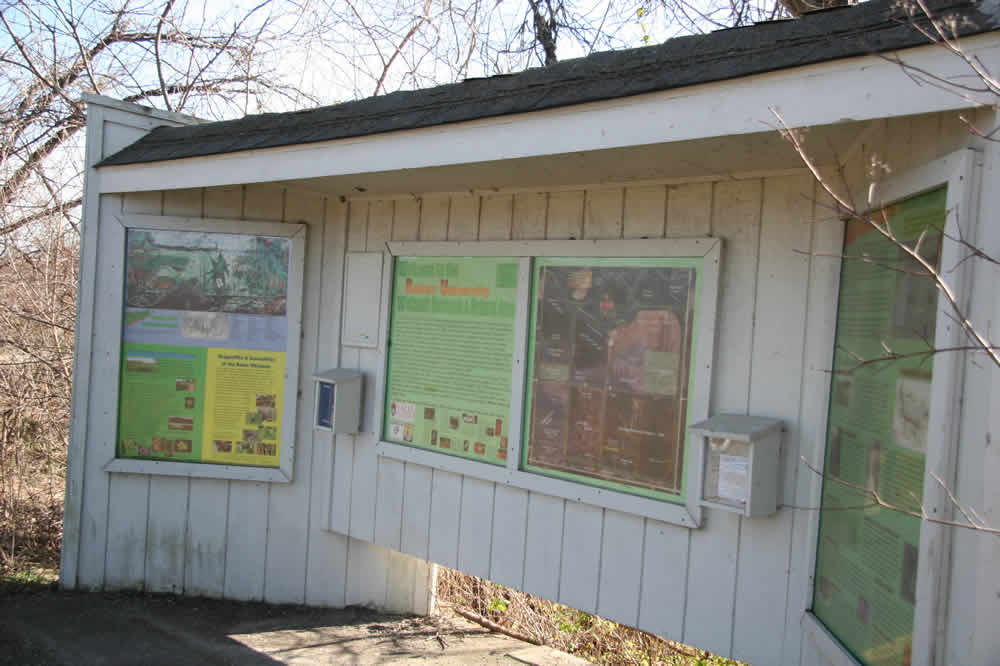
[
  {"x": 667, "y": 579},
  {"x": 734, "y": 586},
  {"x": 236, "y": 539},
  {"x": 709, "y": 586}
]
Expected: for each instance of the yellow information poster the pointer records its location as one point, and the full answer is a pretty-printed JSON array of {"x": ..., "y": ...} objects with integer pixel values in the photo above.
[{"x": 243, "y": 406}]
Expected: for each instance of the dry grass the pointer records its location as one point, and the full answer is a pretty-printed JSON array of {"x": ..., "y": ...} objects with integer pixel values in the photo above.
[{"x": 582, "y": 634}]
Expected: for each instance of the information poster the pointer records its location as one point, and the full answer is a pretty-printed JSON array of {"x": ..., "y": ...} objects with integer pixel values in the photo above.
[
  {"x": 867, "y": 558},
  {"x": 610, "y": 356},
  {"x": 451, "y": 354},
  {"x": 203, "y": 347}
]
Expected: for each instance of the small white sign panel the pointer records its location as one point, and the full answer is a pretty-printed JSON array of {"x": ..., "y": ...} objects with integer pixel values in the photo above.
[
  {"x": 733, "y": 478},
  {"x": 403, "y": 411}
]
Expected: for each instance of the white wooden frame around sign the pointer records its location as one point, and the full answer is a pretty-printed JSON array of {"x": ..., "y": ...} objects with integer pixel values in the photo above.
[
  {"x": 296, "y": 233},
  {"x": 709, "y": 250},
  {"x": 960, "y": 172}
]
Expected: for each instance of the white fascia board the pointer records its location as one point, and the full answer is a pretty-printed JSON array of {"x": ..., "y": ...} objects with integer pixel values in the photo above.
[
  {"x": 845, "y": 90},
  {"x": 171, "y": 117}
]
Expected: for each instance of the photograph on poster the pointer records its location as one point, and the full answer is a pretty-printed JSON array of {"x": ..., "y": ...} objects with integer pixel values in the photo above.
[{"x": 204, "y": 344}]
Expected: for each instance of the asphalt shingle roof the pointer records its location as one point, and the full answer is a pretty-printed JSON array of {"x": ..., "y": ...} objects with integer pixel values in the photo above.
[{"x": 878, "y": 26}]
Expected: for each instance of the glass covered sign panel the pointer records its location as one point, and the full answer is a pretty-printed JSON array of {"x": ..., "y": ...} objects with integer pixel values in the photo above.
[
  {"x": 203, "y": 347},
  {"x": 609, "y": 361},
  {"x": 451, "y": 342},
  {"x": 866, "y": 561}
]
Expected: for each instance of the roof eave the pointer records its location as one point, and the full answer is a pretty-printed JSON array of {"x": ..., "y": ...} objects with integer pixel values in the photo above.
[{"x": 853, "y": 89}]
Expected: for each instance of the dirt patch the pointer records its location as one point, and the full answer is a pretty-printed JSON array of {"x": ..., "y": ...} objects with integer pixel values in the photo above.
[{"x": 48, "y": 626}]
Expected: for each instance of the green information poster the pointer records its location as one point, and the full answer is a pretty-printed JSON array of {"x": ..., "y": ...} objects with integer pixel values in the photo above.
[
  {"x": 203, "y": 347},
  {"x": 866, "y": 565},
  {"x": 451, "y": 354}
]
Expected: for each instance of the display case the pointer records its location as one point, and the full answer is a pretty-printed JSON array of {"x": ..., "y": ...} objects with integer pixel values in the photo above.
[{"x": 741, "y": 457}]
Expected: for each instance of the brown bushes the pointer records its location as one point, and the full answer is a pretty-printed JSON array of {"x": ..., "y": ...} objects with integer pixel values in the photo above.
[
  {"x": 38, "y": 279},
  {"x": 544, "y": 622}
]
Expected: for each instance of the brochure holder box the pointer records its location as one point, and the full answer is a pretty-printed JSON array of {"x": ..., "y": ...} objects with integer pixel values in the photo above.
[
  {"x": 741, "y": 457},
  {"x": 338, "y": 401}
]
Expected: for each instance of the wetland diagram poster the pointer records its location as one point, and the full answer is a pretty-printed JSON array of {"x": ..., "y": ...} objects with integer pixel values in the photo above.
[
  {"x": 450, "y": 355},
  {"x": 204, "y": 339}
]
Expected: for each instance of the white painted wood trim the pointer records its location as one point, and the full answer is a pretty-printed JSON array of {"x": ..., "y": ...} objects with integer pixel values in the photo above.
[
  {"x": 636, "y": 247},
  {"x": 700, "y": 395},
  {"x": 522, "y": 317},
  {"x": 296, "y": 233},
  {"x": 197, "y": 470},
  {"x": 933, "y": 562},
  {"x": 832, "y": 90},
  {"x": 816, "y": 634},
  {"x": 677, "y": 514},
  {"x": 373, "y": 423},
  {"x": 168, "y": 117}
]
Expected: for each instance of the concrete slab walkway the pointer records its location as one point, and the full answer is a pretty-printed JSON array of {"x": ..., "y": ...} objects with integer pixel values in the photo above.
[{"x": 54, "y": 627}]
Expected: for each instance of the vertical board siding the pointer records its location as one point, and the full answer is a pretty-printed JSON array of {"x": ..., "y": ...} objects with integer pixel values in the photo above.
[
  {"x": 645, "y": 212},
  {"x": 663, "y": 594},
  {"x": 579, "y": 567},
  {"x": 495, "y": 221},
  {"x": 530, "y": 210},
  {"x": 475, "y": 527},
  {"x": 603, "y": 214},
  {"x": 463, "y": 218},
  {"x": 510, "y": 512},
  {"x": 368, "y": 492},
  {"x": 415, "y": 530},
  {"x": 565, "y": 218},
  {"x": 388, "y": 515},
  {"x": 621, "y": 567},
  {"x": 543, "y": 545},
  {"x": 775, "y": 391},
  {"x": 702, "y": 585},
  {"x": 125, "y": 563},
  {"x": 689, "y": 210},
  {"x": 246, "y": 541},
  {"x": 715, "y": 547},
  {"x": 446, "y": 487},
  {"x": 434, "y": 218},
  {"x": 288, "y": 503},
  {"x": 326, "y": 553}
]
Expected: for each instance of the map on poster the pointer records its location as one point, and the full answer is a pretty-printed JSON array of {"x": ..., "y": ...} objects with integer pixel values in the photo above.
[
  {"x": 450, "y": 355},
  {"x": 867, "y": 558},
  {"x": 203, "y": 347},
  {"x": 609, "y": 358}
]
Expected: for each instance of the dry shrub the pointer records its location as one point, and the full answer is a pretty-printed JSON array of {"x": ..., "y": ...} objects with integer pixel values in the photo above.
[
  {"x": 37, "y": 311},
  {"x": 582, "y": 634}
]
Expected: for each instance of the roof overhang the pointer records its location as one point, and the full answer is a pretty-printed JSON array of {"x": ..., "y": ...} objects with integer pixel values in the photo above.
[{"x": 856, "y": 89}]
